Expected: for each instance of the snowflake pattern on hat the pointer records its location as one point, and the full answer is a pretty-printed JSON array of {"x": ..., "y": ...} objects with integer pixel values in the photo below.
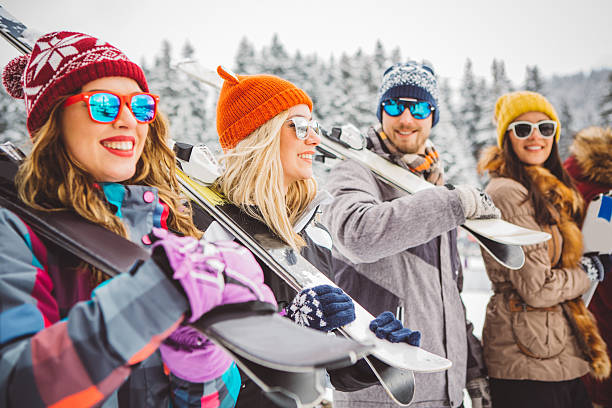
[
  {"x": 60, "y": 64},
  {"x": 409, "y": 74}
]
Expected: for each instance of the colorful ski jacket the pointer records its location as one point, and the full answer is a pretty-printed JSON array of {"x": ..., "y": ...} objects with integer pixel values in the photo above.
[{"x": 63, "y": 345}]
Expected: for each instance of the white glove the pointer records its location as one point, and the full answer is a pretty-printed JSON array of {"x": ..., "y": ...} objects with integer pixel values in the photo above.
[{"x": 477, "y": 205}]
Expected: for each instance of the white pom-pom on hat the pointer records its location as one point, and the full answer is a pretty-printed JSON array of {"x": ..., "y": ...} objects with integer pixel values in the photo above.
[{"x": 12, "y": 76}]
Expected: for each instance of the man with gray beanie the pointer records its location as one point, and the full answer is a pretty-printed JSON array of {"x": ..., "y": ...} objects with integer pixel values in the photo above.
[{"x": 394, "y": 251}]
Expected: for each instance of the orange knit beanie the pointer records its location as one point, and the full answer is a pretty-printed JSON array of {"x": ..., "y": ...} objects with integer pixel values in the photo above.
[{"x": 248, "y": 101}]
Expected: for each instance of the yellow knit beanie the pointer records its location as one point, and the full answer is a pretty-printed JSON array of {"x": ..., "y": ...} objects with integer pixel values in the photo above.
[{"x": 512, "y": 105}]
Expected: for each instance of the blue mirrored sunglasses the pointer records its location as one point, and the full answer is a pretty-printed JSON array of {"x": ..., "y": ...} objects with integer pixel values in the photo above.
[
  {"x": 105, "y": 106},
  {"x": 397, "y": 106}
]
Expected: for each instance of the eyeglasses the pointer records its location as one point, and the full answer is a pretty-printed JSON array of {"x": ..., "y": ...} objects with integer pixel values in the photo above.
[
  {"x": 302, "y": 125},
  {"x": 105, "y": 106},
  {"x": 397, "y": 106},
  {"x": 523, "y": 129}
]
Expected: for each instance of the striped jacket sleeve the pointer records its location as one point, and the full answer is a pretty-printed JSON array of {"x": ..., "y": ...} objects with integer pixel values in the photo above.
[{"x": 80, "y": 360}]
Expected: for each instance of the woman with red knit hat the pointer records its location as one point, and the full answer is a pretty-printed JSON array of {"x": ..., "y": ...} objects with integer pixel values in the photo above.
[
  {"x": 99, "y": 149},
  {"x": 538, "y": 337},
  {"x": 266, "y": 130}
]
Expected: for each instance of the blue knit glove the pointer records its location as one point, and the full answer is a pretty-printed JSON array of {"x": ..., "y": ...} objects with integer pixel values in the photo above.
[
  {"x": 386, "y": 326},
  {"x": 322, "y": 308}
]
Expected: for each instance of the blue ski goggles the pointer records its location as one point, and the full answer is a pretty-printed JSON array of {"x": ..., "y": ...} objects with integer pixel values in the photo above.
[
  {"x": 105, "y": 106},
  {"x": 397, "y": 106}
]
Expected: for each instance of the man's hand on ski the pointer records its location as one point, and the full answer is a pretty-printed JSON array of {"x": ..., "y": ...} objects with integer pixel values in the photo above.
[
  {"x": 386, "y": 326},
  {"x": 323, "y": 307},
  {"x": 477, "y": 205}
]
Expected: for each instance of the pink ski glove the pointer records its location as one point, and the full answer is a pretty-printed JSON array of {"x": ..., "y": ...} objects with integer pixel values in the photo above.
[
  {"x": 199, "y": 272},
  {"x": 190, "y": 355},
  {"x": 211, "y": 275}
]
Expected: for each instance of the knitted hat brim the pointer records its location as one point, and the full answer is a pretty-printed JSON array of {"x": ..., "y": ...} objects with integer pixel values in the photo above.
[
  {"x": 409, "y": 91},
  {"x": 261, "y": 114}
]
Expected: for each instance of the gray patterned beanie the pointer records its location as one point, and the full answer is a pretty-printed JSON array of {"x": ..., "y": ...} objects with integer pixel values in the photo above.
[{"x": 409, "y": 80}]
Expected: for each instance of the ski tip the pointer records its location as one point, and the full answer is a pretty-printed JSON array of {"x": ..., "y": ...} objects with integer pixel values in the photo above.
[{"x": 228, "y": 75}]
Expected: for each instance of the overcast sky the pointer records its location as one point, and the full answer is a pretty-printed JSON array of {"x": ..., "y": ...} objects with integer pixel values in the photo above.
[{"x": 560, "y": 36}]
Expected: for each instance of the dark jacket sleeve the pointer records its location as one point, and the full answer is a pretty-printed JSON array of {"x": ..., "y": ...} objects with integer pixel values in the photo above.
[{"x": 81, "y": 360}]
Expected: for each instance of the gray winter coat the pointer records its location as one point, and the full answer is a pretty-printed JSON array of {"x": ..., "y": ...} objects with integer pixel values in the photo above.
[{"x": 393, "y": 249}]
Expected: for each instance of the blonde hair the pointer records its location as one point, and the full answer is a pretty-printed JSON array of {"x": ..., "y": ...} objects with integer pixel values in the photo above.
[
  {"x": 49, "y": 179},
  {"x": 253, "y": 176}
]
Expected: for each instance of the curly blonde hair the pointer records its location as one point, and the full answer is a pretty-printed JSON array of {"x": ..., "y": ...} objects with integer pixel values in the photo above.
[
  {"x": 253, "y": 180},
  {"x": 49, "y": 179}
]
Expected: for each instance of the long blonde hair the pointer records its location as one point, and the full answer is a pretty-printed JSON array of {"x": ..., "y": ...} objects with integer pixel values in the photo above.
[
  {"x": 49, "y": 179},
  {"x": 253, "y": 176}
]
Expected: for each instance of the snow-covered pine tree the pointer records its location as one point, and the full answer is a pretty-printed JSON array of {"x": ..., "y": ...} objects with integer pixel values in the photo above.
[
  {"x": 471, "y": 112},
  {"x": 364, "y": 90},
  {"x": 459, "y": 164},
  {"x": 192, "y": 121},
  {"x": 12, "y": 120},
  {"x": 162, "y": 78},
  {"x": 567, "y": 128},
  {"x": 381, "y": 62},
  {"x": 396, "y": 56},
  {"x": 245, "y": 60},
  {"x": 341, "y": 84},
  {"x": 501, "y": 83},
  {"x": 275, "y": 59},
  {"x": 606, "y": 102},
  {"x": 533, "y": 80}
]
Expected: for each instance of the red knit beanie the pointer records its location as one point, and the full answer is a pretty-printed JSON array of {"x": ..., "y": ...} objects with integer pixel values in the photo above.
[
  {"x": 248, "y": 101},
  {"x": 60, "y": 64}
]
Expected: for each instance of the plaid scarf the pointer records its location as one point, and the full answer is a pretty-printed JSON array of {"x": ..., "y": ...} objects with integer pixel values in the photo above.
[{"x": 428, "y": 165}]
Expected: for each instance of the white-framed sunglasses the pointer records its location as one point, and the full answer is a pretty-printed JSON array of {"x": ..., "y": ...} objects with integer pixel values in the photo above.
[
  {"x": 523, "y": 129},
  {"x": 302, "y": 125}
]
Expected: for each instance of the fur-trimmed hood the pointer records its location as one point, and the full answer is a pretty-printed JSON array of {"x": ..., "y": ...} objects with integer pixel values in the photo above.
[{"x": 592, "y": 150}]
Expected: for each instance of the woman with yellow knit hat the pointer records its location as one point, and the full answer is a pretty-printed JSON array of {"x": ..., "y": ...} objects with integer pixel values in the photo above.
[
  {"x": 268, "y": 136},
  {"x": 538, "y": 337}
]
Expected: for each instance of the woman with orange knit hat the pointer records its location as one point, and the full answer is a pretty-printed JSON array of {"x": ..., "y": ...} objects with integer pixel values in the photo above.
[
  {"x": 538, "y": 338},
  {"x": 268, "y": 136}
]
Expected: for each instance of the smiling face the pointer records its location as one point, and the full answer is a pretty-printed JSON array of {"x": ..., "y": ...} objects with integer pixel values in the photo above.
[
  {"x": 295, "y": 154},
  {"x": 107, "y": 151},
  {"x": 535, "y": 149},
  {"x": 407, "y": 133}
]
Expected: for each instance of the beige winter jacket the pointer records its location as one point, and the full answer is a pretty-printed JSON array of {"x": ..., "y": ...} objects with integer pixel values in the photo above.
[{"x": 526, "y": 336}]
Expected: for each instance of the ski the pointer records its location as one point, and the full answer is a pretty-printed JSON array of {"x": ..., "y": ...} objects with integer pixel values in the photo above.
[
  {"x": 236, "y": 328},
  {"x": 597, "y": 232},
  {"x": 392, "y": 363},
  {"x": 15, "y": 32}
]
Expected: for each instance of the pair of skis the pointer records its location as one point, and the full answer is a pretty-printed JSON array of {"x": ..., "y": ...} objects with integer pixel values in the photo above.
[
  {"x": 392, "y": 363},
  {"x": 291, "y": 371}
]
